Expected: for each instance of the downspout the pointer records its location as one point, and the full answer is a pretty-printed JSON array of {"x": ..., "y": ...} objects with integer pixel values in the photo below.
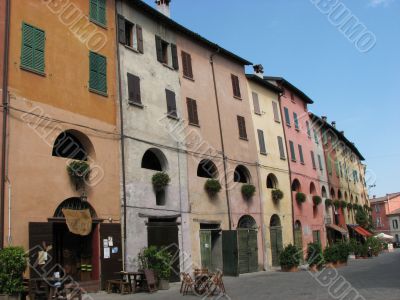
[
  {"x": 263, "y": 224},
  {"x": 121, "y": 116},
  {"x": 5, "y": 117},
  {"x": 222, "y": 138}
]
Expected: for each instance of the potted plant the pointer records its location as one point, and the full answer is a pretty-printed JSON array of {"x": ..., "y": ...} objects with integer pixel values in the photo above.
[
  {"x": 300, "y": 198},
  {"x": 317, "y": 200},
  {"x": 160, "y": 181},
  {"x": 78, "y": 172},
  {"x": 289, "y": 259},
  {"x": 336, "y": 204},
  {"x": 328, "y": 202},
  {"x": 248, "y": 190},
  {"x": 277, "y": 195},
  {"x": 343, "y": 204},
  {"x": 349, "y": 206},
  {"x": 343, "y": 254},
  {"x": 315, "y": 257},
  {"x": 212, "y": 187},
  {"x": 12, "y": 266},
  {"x": 331, "y": 255}
]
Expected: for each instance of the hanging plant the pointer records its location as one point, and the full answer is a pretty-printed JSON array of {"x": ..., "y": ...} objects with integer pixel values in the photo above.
[
  {"x": 248, "y": 190},
  {"x": 328, "y": 202},
  {"x": 160, "y": 180},
  {"x": 212, "y": 186},
  {"x": 366, "y": 207},
  {"x": 300, "y": 198},
  {"x": 336, "y": 203},
  {"x": 343, "y": 204},
  {"x": 277, "y": 194},
  {"x": 78, "y": 172},
  {"x": 349, "y": 206},
  {"x": 317, "y": 200}
]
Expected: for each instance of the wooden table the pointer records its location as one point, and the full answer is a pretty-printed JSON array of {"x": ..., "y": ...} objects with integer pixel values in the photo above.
[
  {"x": 46, "y": 286},
  {"x": 201, "y": 282},
  {"x": 136, "y": 279}
]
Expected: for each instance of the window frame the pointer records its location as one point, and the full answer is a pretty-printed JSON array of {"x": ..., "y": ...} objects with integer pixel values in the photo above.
[
  {"x": 32, "y": 68},
  {"x": 96, "y": 20},
  {"x": 93, "y": 54}
]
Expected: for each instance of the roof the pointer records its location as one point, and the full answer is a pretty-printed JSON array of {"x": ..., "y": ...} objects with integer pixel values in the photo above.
[
  {"x": 264, "y": 83},
  {"x": 396, "y": 212},
  {"x": 339, "y": 134},
  {"x": 385, "y": 198},
  {"x": 159, "y": 17},
  {"x": 286, "y": 83}
]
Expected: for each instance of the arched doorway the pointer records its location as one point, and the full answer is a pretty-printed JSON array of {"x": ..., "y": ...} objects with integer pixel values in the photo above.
[
  {"x": 247, "y": 245},
  {"x": 296, "y": 187},
  {"x": 275, "y": 230},
  {"x": 298, "y": 237}
]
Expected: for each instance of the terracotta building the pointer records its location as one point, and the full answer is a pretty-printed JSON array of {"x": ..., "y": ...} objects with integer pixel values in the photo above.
[{"x": 382, "y": 207}]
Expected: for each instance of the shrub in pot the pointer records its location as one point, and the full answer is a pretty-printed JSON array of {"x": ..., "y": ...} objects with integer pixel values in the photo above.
[
  {"x": 78, "y": 172},
  {"x": 336, "y": 204},
  {"x": 248, "y": 190},
  {"x": 331, "y": 255},
  {"x": 160, "y": 181},
  {"x": 328, "y": 202},
  {"x": 349, "y": 206},
  {"x": 212, "y": 187},
  {"x": 277, "y": 195},
  {"x": 289, "y": 258},
  {"x": 317, "y": 200},
  {"x": 343, "y": 204},
  {"x": 12, "y": 266},
  {"x": 343, "y": 252},
  {"x": 315, "y": 257},
  {"x": 375, "y": 244},
  {"x": 300, "y": 198}
]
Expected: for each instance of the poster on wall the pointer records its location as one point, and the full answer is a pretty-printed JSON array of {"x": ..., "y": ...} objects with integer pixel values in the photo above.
[{"x": 106, "y": 252}]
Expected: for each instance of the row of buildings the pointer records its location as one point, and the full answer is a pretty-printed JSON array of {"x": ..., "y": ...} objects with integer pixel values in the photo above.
[
  {"x": 386, "y": 215},
  {"x": 122, "y": 86}
]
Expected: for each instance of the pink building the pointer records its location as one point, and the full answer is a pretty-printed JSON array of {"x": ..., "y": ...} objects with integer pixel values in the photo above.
[{"x": 381, "y": 208}]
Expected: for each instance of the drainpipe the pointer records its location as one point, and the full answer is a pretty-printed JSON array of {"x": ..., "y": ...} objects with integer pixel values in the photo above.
[
  {"x": 221, "y": 137},
  {"x": 263, "y": 224},
  {"x": 5, "y": 117},
  {"x": 9, "y": 237},
  {"x": 121, "y": 116}
]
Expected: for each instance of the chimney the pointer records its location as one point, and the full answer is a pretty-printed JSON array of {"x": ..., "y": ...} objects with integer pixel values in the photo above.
[
  {"x": 163, "y": 7},
  {"x": 374, "y": 196},
  {"x": 333, "y": 124},
  {"x": 324, "y": 118},
  {"x": 342, "y": 132},
  {"x": 259, "y": 70}
]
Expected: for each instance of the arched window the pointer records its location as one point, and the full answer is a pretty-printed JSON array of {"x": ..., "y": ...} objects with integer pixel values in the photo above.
[
  {"x": 272, "y": 181},
  {"x": 313, "y": 191},
  {"x": 74, "y": 204},
  {"x": 333, "y": 193},
  {"x": 323, "y": 192},
  {"x": 154, "y": 159},
  {"x": 74, "y": 145},
  {"x": 207, "y": 169},
  {"x": 346, "y": 196},
  {"x": 296, "y": 187},
  {"x": 241, "y": 174},
  {"x": 356, "y": 199},
  {"x": 339, "y": 194},
  {"x": 275, "y": 221},
  {"x": 297, "y": 225},
  {"x": 247, "y": 222}
]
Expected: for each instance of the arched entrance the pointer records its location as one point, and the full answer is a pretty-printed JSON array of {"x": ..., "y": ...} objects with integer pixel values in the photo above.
[
  {"x": 275, "y": 229},
  {"x": 247, "y": 244},
  {"x": 298, "y": 236}
]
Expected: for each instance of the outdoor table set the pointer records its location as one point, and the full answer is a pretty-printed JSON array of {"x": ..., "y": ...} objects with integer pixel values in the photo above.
[
  {"x": 203, "y": 283},
  {"x": 132, "y": 282}
]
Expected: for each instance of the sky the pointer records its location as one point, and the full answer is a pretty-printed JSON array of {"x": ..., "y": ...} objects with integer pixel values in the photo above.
[{"x": 294, "y": 39}]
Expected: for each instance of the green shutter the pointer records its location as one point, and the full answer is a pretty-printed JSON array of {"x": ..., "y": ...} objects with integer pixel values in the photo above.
[
  {"x": 98, "y": 73},
  {"x": 97, "y": 11},
  {"x": 33, "y": 46}
]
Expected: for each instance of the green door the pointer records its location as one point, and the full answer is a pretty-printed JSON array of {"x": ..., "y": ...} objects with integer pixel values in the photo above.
[
  {"x": 230, "y": 253},
  {"x": 248, "y": 251},
  {"x": 205, "y": 249},
  {"x": 253, "y": 251},
  {"x": 276, "y": 244},
  {"x": 298, "y": 239}
]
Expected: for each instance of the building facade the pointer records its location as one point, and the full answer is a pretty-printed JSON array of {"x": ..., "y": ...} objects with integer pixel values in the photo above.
[
  {"x": 394, "y": 221},
  {"x": 382, "y": 207}
]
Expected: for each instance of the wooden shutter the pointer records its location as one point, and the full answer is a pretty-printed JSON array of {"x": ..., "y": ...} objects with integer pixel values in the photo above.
[
  {"x": 121, "y": 30},
  {"x": 301, "y": 154},
  {"x": 337, "y": 168},
  {"x": 134, "y": 89},
  {"x": 98, "y": 72},
  {"x": 27, "y": 46},
  {"x": 159, "y": 49},
  {"x": 38, "y": 54},
  {"x": 261, "y": 141},
  {"x": 315, "y": 136},
  {"x": 292, "y": 152},
  {"x": 33, "y": 46},
  {"x": 102, "y": 73},
  {"x": 296, "y": 121},
  {"x": 187, "y": 64},
  {"x": 174, "y": 52},
  {"x": 320, "y": 162},
  {"x": 192, "y": 111},
  {"x": 313, "y": 160},
  {"x": 93, "y": 10},
  {"x": 329, "y": 165},
  {"x": 256, "y": 104},
  {"x": 139, "y": 34},
  {"x": 102, "y": 12},
  {"x": 235, "y": 86},
  {"x": 281, "y": 148},
  {"x": 287, "y": 117},
  {"x": 171, "y": 103},
  {"x": 308, "y": 129},
  {"x": 242, "y": 127},
  {"x": 276, "y": 111}
]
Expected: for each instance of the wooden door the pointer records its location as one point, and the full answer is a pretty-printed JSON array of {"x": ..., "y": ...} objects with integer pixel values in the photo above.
[
  {"x": 205, "y": 249},
  {"x": 112, "y": 263},
  {"x": 230, "y": 253},
  {"x": 298, "y": 241},
  {"x": 41, "y": 239},
  {"x": 276, "y": 244},
  {"x": 247, "y": 251}
]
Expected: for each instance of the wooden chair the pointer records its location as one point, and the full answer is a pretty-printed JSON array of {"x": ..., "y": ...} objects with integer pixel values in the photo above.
[
  {"x": 150, "y": 279},
  {"x": 188, "y": 284},
  {"x": 38, "y": 289},
  {"x": 122, "y": 286},
  {"x": 216, "y": 284}
]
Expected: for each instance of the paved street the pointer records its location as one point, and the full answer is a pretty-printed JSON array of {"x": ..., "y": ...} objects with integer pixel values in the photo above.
[{"x": 377, "y": 278}]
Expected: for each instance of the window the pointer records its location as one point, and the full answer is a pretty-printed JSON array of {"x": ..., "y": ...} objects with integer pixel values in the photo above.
[
  {"x": 296, "y": 121},
  {"x": 154, "y": 159},
  {"x": 377, "y": 208},
  {"x": 171, "y": 104},
  {"x": 242, "y": 127},
  {"x": 187, "y": 65},
  {"x": 97, "y": 11},
  {"x": 316, "y": 236},
  {"x": 291, "y": 96},
  {"x": 167, "y": 53},
  {"x": 272, "y": 181},
  {"x": 32, "y": 52},
  {"x": 301, "y": 154},
  {"x": 337, "y": 168},
  {"x": 276, "y": 111},
  {"x": 315, "y": 136},
  {"x": 292, "y": 153},
  {"x": 308, "y": 129},
  {"x": 72, "y": 144},
  {"x": 261, "y": 141},
  {"x": 241, "y": 174},
  {"x": 340, "y": 169},
  {"x": 134, "y": 89},
  {"x": 281, "y": 148},
  {"x": 130, "y": 34},
  {"x": 320, "y": 162},
  {"x": 192, "y": 111},
  {"x": 256, "y": 104},
  {"x": 395, "y": 224},
  {"x": 98, "y": 73},
  {"x": 313, "y": 160},
  {"x": 287, "y": 117},
  {"x": 235, "y": 86},
  {"x": 378, "y": 222},
  {"x": 207, "y": 169},
  {"x": 329, "y": 165}
]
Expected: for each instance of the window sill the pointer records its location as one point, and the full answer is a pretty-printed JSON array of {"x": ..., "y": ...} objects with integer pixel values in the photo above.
[
  {"x": 194, "y": 124},
  {"x": 297, "y": 129},
  {"x": 173, "y": 117},
  {"x": 98, "y": 92},
  {"x": 264, "y": 153},
  {"x": 132, "y": 49},
  {"x": 258, "y": 113},
  {"x": 276, "y": 121},
  {"x": 104, "y": 26},
  {"x": 293, "y": 160},
  {"x": 238, "y": 97},
  {"x": 288, "y": 125},
  {"x": 137, "y": 104},
  {"x": 243, "y": 139},
  {"x": 168, "y": 66},
  {"x": 303, "y": 163},
  {"x": 33, "y": 71},
  {"x": 283, "y": 158},
  {"x": 188, "y": 78}
]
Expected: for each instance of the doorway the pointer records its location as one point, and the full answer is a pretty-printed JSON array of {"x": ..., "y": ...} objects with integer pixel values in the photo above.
[
  {"x": 276, "y": 239},
  {"x": 211, "y": 246},
  {"x": 247, "y": 245},
  {"x": 298, "y": 238}
]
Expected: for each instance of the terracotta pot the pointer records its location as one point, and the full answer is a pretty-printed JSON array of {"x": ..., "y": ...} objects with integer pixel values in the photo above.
[
  {"x": 163, "y": 284},
  {"x": 330, "y": 265},
  {"x": 289, "y": 269},
  {"x": 313, "y": 268}
]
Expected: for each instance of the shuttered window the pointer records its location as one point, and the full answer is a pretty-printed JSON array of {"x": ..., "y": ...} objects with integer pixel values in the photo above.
[
  {"x": 174, "y": 53},
  {"x": 235, "y": 86},
  {"x": 162, "y": 53},
  {"x": 296, "y": 121},
  {"x": 256, "y": 104},
  {"x": 98, "y": 73},
  {"x": 281, "y": 148},
  {"x": 329, "y": 165},
  {"x": 315, "y": 136},
  {"x": 292, "y": 152},
  {"x": 308, "y": 129},
  {"x": 97, "y": 11},
  {"x": 242, "y": 127},
  {"x": 130, "y": 34},
  {"x": 320, "y": 162},
  {"x": 337, "y": 168},
  {"x": 187, "y": 65},
  {"x": 301, "y": 154},
  {"x": 192, "y": 111},
  {"x": 33, "y": 45},
  {"x": 261, "y": 141},
  {"x": 171, "y": 103},
  {"x": 313, "y": 160},
  {"x": 317, "y": 236},
  {"x": 287, "y": 116},
  {"x": 276, "y": 111},
  {"x": 134, "y": 89}
]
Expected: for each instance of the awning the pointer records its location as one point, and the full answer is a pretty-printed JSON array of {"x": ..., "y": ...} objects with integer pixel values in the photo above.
[
  {"x": 384, "y": 237},
  {"x": 361, "y": 231},
  {"x": 337, "y": 228},
  {"x": 78, "y": 221}
]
